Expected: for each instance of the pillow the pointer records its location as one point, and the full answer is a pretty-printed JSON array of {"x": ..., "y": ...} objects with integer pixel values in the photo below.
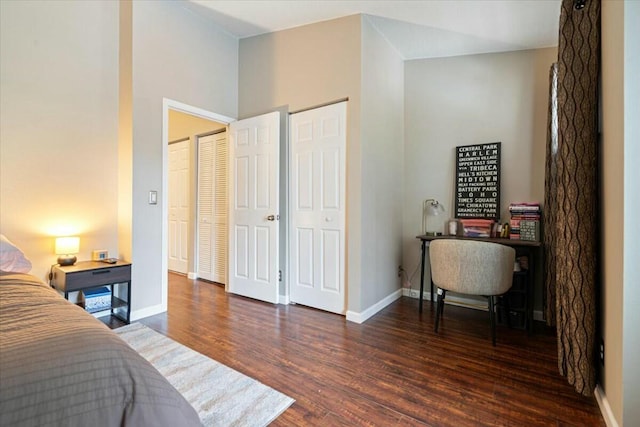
[{"x": 11, "y": 258}]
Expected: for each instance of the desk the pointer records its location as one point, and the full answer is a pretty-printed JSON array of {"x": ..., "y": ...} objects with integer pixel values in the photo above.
[{"x": 522, "y": 247}]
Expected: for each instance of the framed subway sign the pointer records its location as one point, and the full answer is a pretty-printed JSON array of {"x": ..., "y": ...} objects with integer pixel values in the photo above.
[{"x": 478, "y": 181}]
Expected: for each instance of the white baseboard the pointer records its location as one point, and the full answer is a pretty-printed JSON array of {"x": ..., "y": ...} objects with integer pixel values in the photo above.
[
  {"x": 283, "y": 299},
  {"x": 451, "y": 299},
  {"x": 413, "y": 293},
  {"x": 462, "y": 302},
  {"x": 192, "y": 276},
  {"x": 147, "y": 312},
  {"x": 361, "y": 317},
  {"x": 605, "y": 408}
]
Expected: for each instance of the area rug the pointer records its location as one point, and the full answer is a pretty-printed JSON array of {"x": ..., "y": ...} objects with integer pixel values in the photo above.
[{"x": 220, "y": 395}]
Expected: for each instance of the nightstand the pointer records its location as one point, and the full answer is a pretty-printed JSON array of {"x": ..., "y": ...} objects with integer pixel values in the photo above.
[{"x": 86, "y": 275}]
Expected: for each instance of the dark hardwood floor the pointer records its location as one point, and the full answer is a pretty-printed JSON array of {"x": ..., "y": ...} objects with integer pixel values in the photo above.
[{"x": 391, "y": 370}]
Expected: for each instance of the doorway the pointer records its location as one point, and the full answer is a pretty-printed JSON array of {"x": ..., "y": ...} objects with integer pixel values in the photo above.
[
  {"x": 255, "y": 132},
  {"x": 251, "y": 239},
  {"x": 184, "y": 196},
  {"x": 213, "y": 121}
]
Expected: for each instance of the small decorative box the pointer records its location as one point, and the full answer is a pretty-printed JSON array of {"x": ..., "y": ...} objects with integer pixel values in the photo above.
[
  {"x": 97, "y": 299},
  {"x": 530, "y": 230}
]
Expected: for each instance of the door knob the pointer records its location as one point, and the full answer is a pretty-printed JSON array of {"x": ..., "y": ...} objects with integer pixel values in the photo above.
[
  {"x": 328, "y": 219},
  {"x": 271, "y": 218}
]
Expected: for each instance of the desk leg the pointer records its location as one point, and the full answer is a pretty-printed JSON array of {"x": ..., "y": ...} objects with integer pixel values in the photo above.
[
  {"x": 424, "y": 248},
  {"x": 431, "y": 284}
]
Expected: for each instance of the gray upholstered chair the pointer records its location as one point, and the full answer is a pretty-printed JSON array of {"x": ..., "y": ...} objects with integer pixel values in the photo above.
[{"x": 472, "y": 268}]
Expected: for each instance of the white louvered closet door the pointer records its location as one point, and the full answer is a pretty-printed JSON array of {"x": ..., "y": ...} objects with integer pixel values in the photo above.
[
  {"x": 220, "y": 209},
  {"x": 212, "y": 207}
]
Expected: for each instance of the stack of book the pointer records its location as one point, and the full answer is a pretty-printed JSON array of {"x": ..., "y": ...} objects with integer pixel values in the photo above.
[
  {"x": 525, "y": 221},
  {"x": 477, "y": 227}
]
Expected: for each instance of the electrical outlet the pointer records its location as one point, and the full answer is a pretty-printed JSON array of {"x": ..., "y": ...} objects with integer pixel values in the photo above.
[
  {"x": 602, "y": 352},
  {"x": 414, "y": 294},
  {"x": 400, "y": 270}
]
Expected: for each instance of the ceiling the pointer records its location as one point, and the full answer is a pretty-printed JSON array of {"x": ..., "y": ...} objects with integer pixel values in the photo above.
[{"x": 417, "y": 29}]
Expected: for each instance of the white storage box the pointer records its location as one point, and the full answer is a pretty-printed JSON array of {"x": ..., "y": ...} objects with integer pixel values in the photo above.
[{"x": 98, "y": 299}]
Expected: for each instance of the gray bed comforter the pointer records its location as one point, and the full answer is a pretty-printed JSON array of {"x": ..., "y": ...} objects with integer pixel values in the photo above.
[{"x": 61, "y": 366}]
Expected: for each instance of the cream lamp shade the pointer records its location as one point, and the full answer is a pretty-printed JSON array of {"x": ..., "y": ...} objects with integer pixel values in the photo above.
[{"x": 66, "y": 248}]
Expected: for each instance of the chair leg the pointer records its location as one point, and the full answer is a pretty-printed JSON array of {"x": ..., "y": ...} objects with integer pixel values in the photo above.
[
  {"x": 492, "y": 319},
  {"x": 439, "y": 307}
]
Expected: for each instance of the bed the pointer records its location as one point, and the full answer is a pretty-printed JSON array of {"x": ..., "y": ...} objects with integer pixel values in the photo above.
[{"x": 61, "y": 366}]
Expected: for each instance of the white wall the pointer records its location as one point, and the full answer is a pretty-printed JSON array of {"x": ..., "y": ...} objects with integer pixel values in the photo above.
[
  {"x": 471, "y": 100},
  {"x": 631, "y": 319},
  {"x": 382, "y": 166},
  {"x": 301, "y": 67},
  {"x": 179, "y": 56},
  {"x": 620, "y": 204},
  {"x": 612, "y": 250},
  {"x": 58, "y": 126}
]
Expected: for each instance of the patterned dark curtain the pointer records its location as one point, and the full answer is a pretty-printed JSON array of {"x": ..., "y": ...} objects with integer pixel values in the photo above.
[
  {"x": 572, "y": 194},
  {"x": 550, "y": 200}
]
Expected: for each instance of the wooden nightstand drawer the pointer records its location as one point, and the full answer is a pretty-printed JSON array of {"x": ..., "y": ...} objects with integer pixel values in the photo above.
[
  {"x": 89, "y": 274},
  {"x": 103, "y": 276}
]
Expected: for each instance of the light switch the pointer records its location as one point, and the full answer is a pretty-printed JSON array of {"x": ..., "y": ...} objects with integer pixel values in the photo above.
[{"x": 153, "y": 197}]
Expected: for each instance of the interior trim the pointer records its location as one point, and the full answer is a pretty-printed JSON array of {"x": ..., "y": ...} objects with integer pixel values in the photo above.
[
  {"x": 337, "y": 101},
  {"x": 605, "y": 408}
]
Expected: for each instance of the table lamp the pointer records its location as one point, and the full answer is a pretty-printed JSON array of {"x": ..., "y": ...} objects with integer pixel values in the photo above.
[
  {"x": 66, "y": 248},
  {"x": 431, "y": 208}
]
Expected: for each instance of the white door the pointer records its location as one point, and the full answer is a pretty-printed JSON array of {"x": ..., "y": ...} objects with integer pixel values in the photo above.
[
  {"x": 178, "y": 206},
  {"x": 212, "y": 207},
  {"x": 254, "y": 147},
  {"x": 317, "y": 200}
]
